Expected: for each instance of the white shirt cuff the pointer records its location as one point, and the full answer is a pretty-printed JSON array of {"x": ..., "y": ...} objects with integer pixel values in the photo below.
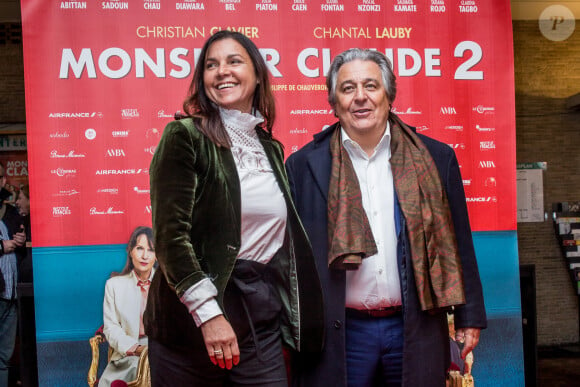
[{"x": 200, "y": 301}]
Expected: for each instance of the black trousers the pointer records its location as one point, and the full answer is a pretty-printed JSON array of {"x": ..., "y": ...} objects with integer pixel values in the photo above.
[{"x": 253, "y": 307}]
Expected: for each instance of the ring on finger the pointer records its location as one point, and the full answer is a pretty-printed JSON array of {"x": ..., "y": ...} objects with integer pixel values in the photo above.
[{"x": 218, "y": 352}]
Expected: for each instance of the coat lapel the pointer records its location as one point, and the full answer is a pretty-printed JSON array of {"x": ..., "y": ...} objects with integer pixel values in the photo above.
[{"x": 319, "y": 160}]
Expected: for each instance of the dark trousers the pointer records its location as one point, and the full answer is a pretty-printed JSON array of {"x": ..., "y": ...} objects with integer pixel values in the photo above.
[
  {"x": 374, "y": 351},
  {"x": 253, "y": 307}
]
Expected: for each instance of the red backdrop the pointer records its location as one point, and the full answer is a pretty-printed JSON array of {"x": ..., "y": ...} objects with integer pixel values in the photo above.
[{"x": 103, "y": 78}]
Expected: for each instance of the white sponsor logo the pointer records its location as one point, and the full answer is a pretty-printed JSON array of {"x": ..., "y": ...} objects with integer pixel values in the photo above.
[
  {"x": 63, "y": 172},
  {"x": 120, "y": 172},
  {"x": 73, "y": 5},
  {"x": 466, "y": 182},
  {"x": 72, "y": 115},
  {"x": 115, "y": 153},
  {"x": 129, "y": 113},
  {"x": 115, "y": 4},
  {"x": 112, "y": 191},
  {"x": 482, "y": 129},
  {"x": 490, "y": 182},
  {"x": 59, "y": 135},
  {"x": 161, "y": 114},
  {"x": 152, "y": 133},
  {"x": 108, "y": 211},
  {"x": 299, "y": 5},
  {"x": 486, "y": 164},
  {"x": 60, "y": 211},
  {"x": 70, "y": 155},
  {"x": 90, "y": 134},
  {"x": 458, "y": 128},
  {"x": 150, "y": 149},
  {"x": 404, "y": 112},
  {"x": 120, "y": 133},
  {"x": 422, "y": 128},
  {"x": 457, "y": 146},
  {"x": 141, "y": 191},
  {"x": 481, "y": 199},
  {"x": 486, "y": 145},
  {"x": 310, "y": 112},
  {"x": 147, "y": 209},
  {"x": 69, "y": 192},
  {"x": 299, "y": 131},
  {"x": 484, "y": 109},
  {"x": 447, "y": 110}
]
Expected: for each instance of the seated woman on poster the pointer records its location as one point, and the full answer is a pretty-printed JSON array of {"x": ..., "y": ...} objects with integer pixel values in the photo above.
[{"x": 125, "y": 299}]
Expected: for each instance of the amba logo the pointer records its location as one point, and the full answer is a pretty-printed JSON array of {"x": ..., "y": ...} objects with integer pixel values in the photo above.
[
  {"x": 447, "y": 110},
  {"x": 116, "y": 153},
  {"x": 486, "y": 164}
]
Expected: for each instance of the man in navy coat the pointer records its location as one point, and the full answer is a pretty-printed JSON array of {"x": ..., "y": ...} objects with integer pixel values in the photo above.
[{"x": 389, "y": 273}]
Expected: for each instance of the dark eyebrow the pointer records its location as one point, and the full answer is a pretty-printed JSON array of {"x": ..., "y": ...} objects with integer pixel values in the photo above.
[
  {"x": 364, "y": 81},
  {"x": 229, "y": 57}
]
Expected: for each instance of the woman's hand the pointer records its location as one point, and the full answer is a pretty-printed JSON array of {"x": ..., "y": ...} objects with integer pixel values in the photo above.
[{"x": 221, "y": 342}]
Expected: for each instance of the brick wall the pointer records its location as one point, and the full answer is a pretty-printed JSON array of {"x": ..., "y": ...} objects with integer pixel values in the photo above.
[
  {"x": 546, "y": 73},
  {"x": 11, "y": 74}
]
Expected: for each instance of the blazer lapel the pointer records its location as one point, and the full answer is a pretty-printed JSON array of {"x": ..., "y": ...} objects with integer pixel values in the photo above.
[
  {"x": 319, "y": 160},
  {"x": 233, "y": 182}
]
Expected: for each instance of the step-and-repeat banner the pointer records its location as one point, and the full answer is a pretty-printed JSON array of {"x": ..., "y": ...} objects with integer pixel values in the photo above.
[{"x": 103, "y": 78}]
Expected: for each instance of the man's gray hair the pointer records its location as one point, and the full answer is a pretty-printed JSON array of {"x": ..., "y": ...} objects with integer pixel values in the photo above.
[{"x": 389, "y": 79}]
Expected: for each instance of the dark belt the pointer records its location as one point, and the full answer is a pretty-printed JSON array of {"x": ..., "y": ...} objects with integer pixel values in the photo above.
[{"x": 369, "y": 313}]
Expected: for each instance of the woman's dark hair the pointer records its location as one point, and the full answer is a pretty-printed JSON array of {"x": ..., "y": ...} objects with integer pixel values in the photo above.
[
  {"x": 25, "y": 189},
  {"x": 199, "y": 105},
  {"x": 140, "y": 230}
]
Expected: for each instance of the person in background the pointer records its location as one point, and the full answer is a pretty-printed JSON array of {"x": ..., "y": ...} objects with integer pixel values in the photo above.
[
  {"x": 23, "y": 205},
  {"x": 12, "y": 251},
  {"x": 237, "y": 276},
  {"x": 385, "y": 210},
  {"x": 123, "y": 307}
]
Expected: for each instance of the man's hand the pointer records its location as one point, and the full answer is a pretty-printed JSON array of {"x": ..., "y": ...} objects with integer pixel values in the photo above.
[
  {"x": 9, "y": 246},
  {"x": 469, "y": 337},
  {"x": 20, "y": 237}
]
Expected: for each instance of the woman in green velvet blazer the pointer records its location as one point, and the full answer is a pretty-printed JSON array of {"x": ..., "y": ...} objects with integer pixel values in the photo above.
[{"x": 230, "y": 289}]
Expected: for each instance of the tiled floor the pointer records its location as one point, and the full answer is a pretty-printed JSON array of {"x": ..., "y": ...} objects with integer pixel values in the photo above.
[{"x": 559, "y": 367}]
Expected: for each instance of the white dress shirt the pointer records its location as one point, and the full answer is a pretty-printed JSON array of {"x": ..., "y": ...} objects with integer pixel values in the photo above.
[
  {"x": 263, "y": 209},
  {"x": 375, "y": 284}
]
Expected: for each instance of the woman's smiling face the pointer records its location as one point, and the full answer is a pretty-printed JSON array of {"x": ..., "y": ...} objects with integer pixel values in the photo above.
[{"x": 229, "y": 76}]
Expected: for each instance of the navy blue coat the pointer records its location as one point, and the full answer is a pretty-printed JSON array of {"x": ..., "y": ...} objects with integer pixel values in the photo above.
[{"x": 426, "y": 341}]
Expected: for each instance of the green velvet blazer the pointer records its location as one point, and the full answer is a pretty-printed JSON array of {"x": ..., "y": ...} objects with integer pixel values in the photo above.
[{"x": 195, "y": 199}]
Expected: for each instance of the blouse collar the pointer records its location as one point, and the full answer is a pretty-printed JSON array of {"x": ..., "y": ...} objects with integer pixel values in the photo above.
[{"x": 241, "y": 121}]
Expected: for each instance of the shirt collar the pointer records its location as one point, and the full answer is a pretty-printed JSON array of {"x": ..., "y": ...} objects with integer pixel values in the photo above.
[{"x": 352, "y": 146}]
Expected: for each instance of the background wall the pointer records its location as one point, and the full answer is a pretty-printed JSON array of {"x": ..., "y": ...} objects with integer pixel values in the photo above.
[{"x": 546, "y": 74}]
